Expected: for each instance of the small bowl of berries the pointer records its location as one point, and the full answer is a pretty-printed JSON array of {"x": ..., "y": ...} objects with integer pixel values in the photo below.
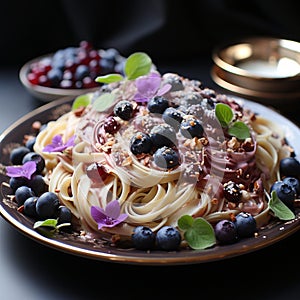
[{"x": 69, "y": 71}]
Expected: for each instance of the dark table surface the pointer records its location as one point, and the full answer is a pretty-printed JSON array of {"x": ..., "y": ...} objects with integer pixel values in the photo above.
[{"x": 29, "y": 270}]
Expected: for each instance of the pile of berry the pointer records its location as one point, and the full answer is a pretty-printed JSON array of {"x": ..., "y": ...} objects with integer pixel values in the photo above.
[
  {"x": 32, "y": 195},
  {"x": 75, "y": 67}
]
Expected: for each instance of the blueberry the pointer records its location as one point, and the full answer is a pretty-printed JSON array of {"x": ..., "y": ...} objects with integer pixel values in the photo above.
[
  {"x": 140, "y": 143},
  {"x": 64, "y": 215},
  {"x": 47, "y": 205},
  {"x": 192, "y": 99},
  {"x": 30, "y": 143},
  {"x": 123, "y": 110},
  {"x": 232, "y": 192},
  {"x": 81, "y": 72},
  {"x": 22, "y": 193},
  {"x": 173, "y": 117},
  {"x": 157, "y": 104},
  {"x": 168, "y": 238},
  {"x": 166, "y": 158},
  {"x": 55, "y": 76},
  {"x": 191, "y": 127},
  {"x": 17, "y": 154},
  {"x": 143, "y": 238},
  {"x": 289, "y": 166},
  {"x": 37, "y": 158},
  {"x": 16, "y": 182},
  {"x": 226, "y": 232},
  {"x": 286, "y": 193},
  {"x": 245, "y": 224},
  {"x": 37, "y": 184},
  {"x": 294, "y": 182},
  {"x": 110, "y": 54},
  {"x": 163, "y": 135},
  {"x": 30, "y": 207},
  {"x": 106, "y": 65},
  {"x": 175, "y": 82}
]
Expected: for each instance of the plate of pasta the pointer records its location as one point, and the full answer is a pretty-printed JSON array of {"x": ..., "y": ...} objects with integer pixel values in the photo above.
[{"x": 152, "y": 170}]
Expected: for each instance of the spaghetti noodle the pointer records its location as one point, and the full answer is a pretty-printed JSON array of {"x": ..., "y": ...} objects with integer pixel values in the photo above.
[{"x": 149, "y": 194}]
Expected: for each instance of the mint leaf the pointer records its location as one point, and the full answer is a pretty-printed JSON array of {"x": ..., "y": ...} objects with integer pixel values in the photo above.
[
  {"x": 185, "y": 222},
  {"x": 109, "y": 78},
  {"x": 137, "y": 64},
  {"x": 104, "y": 101},
  {"x": 82, "y": 101},
  {"x": 224, "y": 114},
  {"x": 279, "y": 209},
  {"x": 199, "y": 233},
  {"x": 239, "y": 130},
  {"x": 45, "y": 223}
]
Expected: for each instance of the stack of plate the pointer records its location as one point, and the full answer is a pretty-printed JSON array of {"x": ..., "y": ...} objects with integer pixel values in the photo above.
[{"x": 263, "y": 69}]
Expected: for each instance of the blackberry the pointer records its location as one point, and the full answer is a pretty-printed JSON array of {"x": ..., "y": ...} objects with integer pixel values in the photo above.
[
  {"x": 232, "y": 192},
  {"x": 111, "y": 125}
]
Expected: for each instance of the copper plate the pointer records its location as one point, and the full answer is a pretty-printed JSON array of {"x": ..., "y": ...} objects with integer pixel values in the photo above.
[
  {"x": 76, "y": 245},
  {"x": 229, "y": 73}
]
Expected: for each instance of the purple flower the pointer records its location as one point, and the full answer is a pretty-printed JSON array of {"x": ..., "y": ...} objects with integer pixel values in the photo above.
[
  {"x": 149, "y": 87},
  {"x": 109, "y": 217},
  {"x": 58, "y": 145},
  {"x": 26, "y": 170}
]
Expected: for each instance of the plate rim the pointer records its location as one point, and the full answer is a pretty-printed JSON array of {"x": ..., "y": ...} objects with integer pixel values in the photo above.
[{"x": 154, "y": 257}]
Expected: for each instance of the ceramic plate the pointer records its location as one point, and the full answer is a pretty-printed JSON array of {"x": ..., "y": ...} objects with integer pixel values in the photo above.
[
  {"x": 44, "y": 93},
  {"x": 76, "y": 245}
]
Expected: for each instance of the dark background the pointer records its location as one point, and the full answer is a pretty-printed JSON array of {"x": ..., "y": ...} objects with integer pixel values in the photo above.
[
  {"x": 168, "y": 30},
  {"x": 179, "y": 36}
]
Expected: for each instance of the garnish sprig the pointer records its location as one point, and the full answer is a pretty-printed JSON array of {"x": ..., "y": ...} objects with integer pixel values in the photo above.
[
  {"x": 198, "y": 232},
  {"x": 49, "y": 227},
  {"x": 136, "y": 65},
  {"x": 280, "y": 210},
  {"x": 225, "y": 116}
]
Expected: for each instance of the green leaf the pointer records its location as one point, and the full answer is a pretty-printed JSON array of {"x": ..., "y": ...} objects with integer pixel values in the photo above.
[
  {"x": 279, "y": 209},
  {"x": 137, "y": 64},
  {"x": 239, "y": 130},
  {"x": 199, "y": 233},
  {"x": 224, "y": 114},
  {"x": 45, "y": 223},
  {"x": 185, "y": 222},
  {"x": 82, "y": 101},
  {"x": 104, "y": 101},
  {"x": 109, "y": 78}
]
